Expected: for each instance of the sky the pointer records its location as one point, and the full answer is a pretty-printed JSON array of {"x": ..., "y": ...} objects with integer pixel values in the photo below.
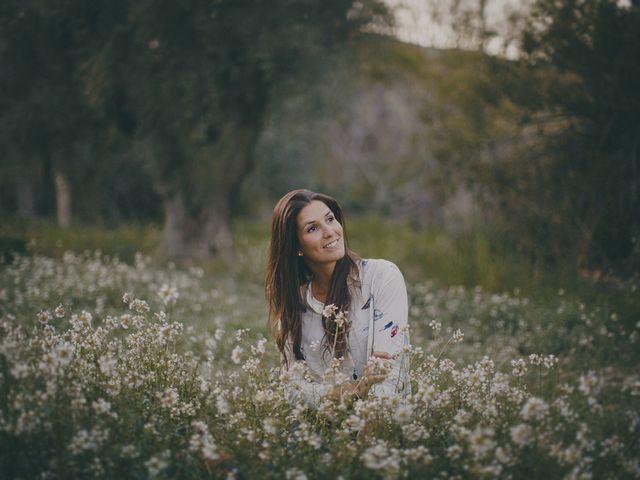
[{"x": 414, "y": 22}]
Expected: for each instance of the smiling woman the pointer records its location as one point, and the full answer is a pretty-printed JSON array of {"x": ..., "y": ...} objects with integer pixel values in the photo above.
[{"x": 340, "y": 322}]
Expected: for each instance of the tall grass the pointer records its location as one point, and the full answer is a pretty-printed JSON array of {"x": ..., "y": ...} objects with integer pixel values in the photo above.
[
  {"x": 46, "y": 238},
  {"x": 471, "y": 258}
]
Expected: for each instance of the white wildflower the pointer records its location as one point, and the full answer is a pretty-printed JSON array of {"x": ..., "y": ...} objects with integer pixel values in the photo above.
[
  {"x": 202, "y": 442},
  {"x": 295, "y": 474},
  {"x": 414, "y": 432},
  {"x": 168, "y": 294},
  {"x": 535, "y": 359},
  {"x": 341, "y": 319},
  {"x": 259, "y": 347},
  {"x": 329, "y": 310},
  {"x": 521, "y": 434},
  {"x": 223, "y": 405},
  {"x": 64, "y": 353},
  {"x": 236, "y": 354},
  {"x": 20, "y": 370},
  {"x": 454, "y": 452},
  {"x": 503, "y": 456},
  {"x": 107, "y": 365},
  {"x": 169, "y": 398},
  {"x": 550, "y": 361},
  {"x": 403, "y": 413},
  {"x": 81, "y": 442},
  {"x": 101, "y": 406},
  {"x": 240, "y": 333},
  {"x": 165, "y": 334},
  {"x": 44, "y": 316},
  {"x": 590, "y": 384},
  {"x": 377, "y": 366},
  {"x": 270, "y": 426},
  {"x": 380, "y": 457},
  {"x": 157, "y": 464},
  {"x": 534, "y": 409},
  {"x": 84, "y": 319},
  {"x": 353, "y": 423},
  {"x": 314, "y": 441},
  {"x": 139, "y": 306},
  {"x": 481, "y": 441},
  {"x": 211, "y": 344},
  {"x": 519, "y": 367},
  {"x": 458, "y": 336},
  {"x": 85, "y": 440},
  {"x": 125, "y": 321},
  {"x": 129, "y": 451}
]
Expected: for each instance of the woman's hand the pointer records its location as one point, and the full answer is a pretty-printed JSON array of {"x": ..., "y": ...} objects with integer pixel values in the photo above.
[{"x": 375, "y": 371}]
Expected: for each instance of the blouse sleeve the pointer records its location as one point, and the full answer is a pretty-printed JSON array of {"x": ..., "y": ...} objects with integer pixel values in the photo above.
[
  {"x": 390, "y": 329},
  {"x": 298, "y": 383}
]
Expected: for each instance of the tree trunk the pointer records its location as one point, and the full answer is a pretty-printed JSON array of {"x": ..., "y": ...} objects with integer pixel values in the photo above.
[
  {"x": 63, "y": 200},
  {"x": 173, "y": 231},
  {"x": 203, "y": 231},
  {"x": 25, "y": 195},
  {"x": 185, "y": 235},
  {"x": 217, "y": 236}
]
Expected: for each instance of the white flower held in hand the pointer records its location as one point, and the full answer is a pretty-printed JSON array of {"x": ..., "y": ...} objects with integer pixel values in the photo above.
[
  {"x": 341, "y": 319},
  {"x": 329, "y": 310}
]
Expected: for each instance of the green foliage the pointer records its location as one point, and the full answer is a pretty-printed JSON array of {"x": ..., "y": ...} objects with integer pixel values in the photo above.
[
  {"x": 592, "y": 47},
  {"x": 549, "y": 142},
  {"x": 571, "y": 189},
  {"x": 44, "y": 238},
  {"x": 179, "y": 91}
]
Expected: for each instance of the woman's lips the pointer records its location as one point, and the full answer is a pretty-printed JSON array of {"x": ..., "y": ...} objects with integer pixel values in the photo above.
[{"x": 332, "y": 244}]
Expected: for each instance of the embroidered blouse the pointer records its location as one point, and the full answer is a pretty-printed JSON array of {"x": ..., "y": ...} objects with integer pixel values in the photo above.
[{"x": 382, "y": 299}]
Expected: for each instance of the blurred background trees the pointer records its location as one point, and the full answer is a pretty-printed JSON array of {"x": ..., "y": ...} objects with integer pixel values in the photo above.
[
  {"x": 555, "y": 134},
  {"x": 197, "y": 113},
  {"x": 179, "y": 90}
]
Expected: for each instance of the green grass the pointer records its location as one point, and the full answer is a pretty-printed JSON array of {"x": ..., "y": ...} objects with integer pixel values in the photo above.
[
  {"x": 45, "y": 238},
  {"x": 473, "y": 258}
]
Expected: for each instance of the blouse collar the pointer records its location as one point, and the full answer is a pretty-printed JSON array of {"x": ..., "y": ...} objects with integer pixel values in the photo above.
[{"x": 315, "y": 304}]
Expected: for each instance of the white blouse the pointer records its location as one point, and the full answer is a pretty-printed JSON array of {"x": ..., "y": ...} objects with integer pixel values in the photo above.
[{"x": 382, "y": 299}]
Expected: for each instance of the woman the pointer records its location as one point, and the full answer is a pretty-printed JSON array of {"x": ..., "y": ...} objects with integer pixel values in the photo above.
[{"x": 333, "y": 314}]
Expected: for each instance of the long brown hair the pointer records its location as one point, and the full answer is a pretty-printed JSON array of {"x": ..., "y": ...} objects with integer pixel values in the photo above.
[{"x": 287, "y": 272}]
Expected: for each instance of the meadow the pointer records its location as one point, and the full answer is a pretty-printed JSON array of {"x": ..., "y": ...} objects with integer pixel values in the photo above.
[{"x": 114, "y": 365}]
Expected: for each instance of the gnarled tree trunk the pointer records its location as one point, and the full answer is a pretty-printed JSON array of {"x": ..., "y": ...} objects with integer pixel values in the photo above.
[
  {"x": 202, "y": 228},
  {"x": 201, "y": 236},
  {"x": 25, "y": 195},
  {"x": 63, "y": 199}
]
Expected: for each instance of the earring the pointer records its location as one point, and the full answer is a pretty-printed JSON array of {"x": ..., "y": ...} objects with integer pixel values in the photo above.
[{"x": 299, "y": 254}]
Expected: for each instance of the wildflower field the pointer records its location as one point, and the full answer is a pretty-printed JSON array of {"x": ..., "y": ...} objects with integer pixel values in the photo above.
[{"x": 111, "y": 369}]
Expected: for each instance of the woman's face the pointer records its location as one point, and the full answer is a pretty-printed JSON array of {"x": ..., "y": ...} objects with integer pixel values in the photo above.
[{"x": 320, "y": 235}]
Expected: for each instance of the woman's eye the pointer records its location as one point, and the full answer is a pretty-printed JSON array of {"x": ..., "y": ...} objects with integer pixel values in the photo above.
[
  {"x": 330, "y": 219},
  {"x": 311, "y": 229}
]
